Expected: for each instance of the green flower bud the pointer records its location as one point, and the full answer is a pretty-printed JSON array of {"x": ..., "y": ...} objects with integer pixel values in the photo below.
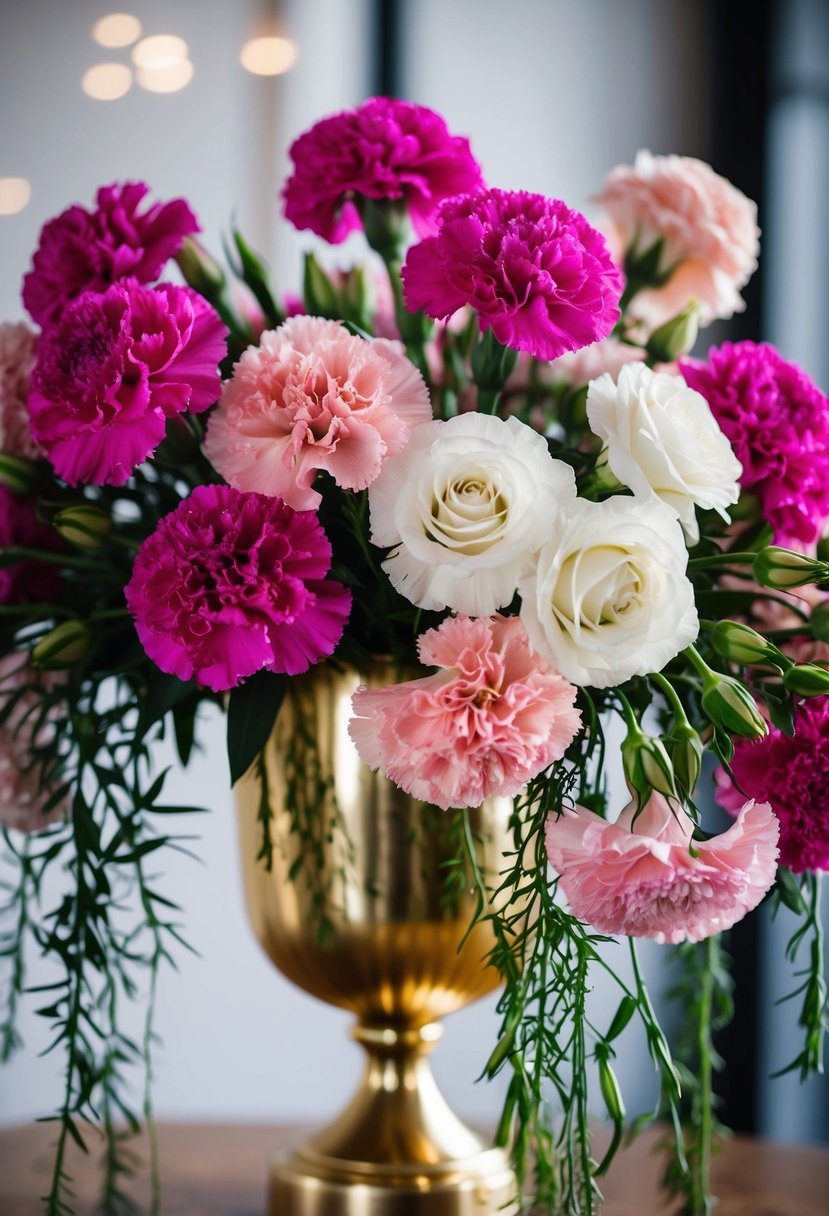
[
  {"x": 676, "y": 337},
  {"x": 62, "y": 647},
  {"x": 819, "y": 622},
  {"x": 83, "y": 525},
  {"x": 17, "y": 474},
  {"x": 730, "y": 705},
  {"x": 807, "y": 680},
  {"x": 685, "y": 750},
  {"x": 318, "y": 292},
  {"x": 740, "y": 644},
  {"x": 647, "y": 766},
  {"x": 200, "y": 270},
  {"x": 785, "y": 568}
]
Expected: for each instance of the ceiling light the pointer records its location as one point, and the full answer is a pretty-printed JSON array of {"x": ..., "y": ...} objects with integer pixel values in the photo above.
[
  {"x": 160, "y": 51},
  {"x": 117, "y": 29},
  {"x": 168, "y": 79},
  {"x": 268, "y": 56},
  {"x": 15, "y": 193},
  {"x": 106, "y": 81}
]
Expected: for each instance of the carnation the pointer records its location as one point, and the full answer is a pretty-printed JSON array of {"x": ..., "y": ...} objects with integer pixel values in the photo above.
[
  {"x": 793, "y": 775},
  {"x": 535, "y": 272},
  {"x": 494, "y": 716},
  {"x": 663, "y": 441},
  {"x": 232, "y": 583},
  {"x": 27, "y": 580},
  {"x": 645, "y": 875},
  {"x": 22, "y": 801},
  {"x": 599, "y": 358},
  {"x": 777, "y": 421},
  {"x": 385, "y": 149},
  {"x": 313, "y": 397},
  {"x": 113, "y": 370},
  {"x": 463, "y": 509},
  {"x": 17, "y": 358},
  {"x": 607, "y": 597},
  {"x": 84, "y": 250},
  {"x": 707, "y": 230}
]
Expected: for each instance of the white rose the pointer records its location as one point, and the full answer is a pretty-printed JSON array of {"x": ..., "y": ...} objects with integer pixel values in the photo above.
[
  {"x": 609, "y": 598},
  {"x": 663, "y": 441},
  {"x": 464, "y": 507}
]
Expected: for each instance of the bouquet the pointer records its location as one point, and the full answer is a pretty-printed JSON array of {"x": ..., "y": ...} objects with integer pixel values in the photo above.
[{"x": 488, "y": 454}]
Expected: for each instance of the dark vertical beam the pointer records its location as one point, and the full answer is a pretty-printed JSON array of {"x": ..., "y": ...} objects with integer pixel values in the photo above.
[
  {"x": 742, "y": 62},
  {"x": 387, "y": 76}
]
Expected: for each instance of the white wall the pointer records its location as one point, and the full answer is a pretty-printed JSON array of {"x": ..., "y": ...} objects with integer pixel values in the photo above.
[{"x": 551, "y": 100}]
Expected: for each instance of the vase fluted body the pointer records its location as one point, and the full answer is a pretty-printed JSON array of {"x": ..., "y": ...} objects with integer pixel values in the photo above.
[{"x": 360, "y": 909}]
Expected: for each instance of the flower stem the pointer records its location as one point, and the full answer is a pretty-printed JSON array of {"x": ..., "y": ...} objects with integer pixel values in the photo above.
[{"x": 702, "y": 1201}]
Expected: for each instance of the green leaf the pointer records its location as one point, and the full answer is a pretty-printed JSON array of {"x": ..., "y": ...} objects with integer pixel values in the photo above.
[
  {"x": 257, "y": 279},
  {"x": 163, "y": 694},
  {"x": 251, "y": 712}
]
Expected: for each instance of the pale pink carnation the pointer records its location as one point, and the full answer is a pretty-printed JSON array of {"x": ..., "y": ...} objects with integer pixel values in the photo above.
[
  {"x": 644, "y": 875},
  {"x": 17, "y": 358},
  {"x": 493, "y": 717},
  {"x": 709, "y": 229},
  {"x": 314, "y": 397},
  {"x": 21, "y": 799},
  {"x": 581, "y": 366}
]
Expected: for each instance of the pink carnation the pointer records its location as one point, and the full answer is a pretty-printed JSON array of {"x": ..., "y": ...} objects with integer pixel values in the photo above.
[
  {"x": 581, "y": 366},
  {"x": 17, "y": 358},
  {"x": 493, "y": 717},
  {"x": 644, "y": 875},
  {"x": 114, "y": 369},
  {"x": 84, "y": 250},
  {"x": 534, "y": 271},
  {"x": 792, "y": 775},
  {"x": 231, "y": 583},
  {"x": 385, "y": 149},
  {"x": 777, "y": 421},
  {"x": 21, "y": 799},
  {"x": 314, "y": 397},
  {"x": 19, "y": 525},
  {"x": 708, "y": 229}
]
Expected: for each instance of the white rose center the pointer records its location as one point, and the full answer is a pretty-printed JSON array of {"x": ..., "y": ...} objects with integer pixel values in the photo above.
[
  {"x": 597, "y": 587},
  {"x": 468, "y": 513}
]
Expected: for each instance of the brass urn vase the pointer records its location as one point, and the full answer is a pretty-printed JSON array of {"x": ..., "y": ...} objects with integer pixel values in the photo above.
[{"x": 359, "y": 908}]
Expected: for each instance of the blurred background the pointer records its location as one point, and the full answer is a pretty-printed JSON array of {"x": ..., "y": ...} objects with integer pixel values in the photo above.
[{"x": 201, "y": 99}]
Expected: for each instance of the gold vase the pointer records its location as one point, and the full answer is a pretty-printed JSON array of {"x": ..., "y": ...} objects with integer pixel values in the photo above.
[{"x": 359, "y": 909}]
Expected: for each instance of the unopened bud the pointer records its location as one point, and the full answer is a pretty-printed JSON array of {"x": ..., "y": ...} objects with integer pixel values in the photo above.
[
  {"x": 17, "y": 474},
  {"x": 731, "y": 706},
  {"x": 740, "y": 644},
  {"x": 62, "y": 647},
  {"x": 685, "y": 750},
  {"x": 318, "y": 292},
  {"x": 785, "y": 568},
  {"x": 647, "y": 766},
  {"x": 807, "y": 680},
  {"x": 200, "y": 270},
  {"x": 83, "y": 525},
  {"x": 676, "y": 337}
]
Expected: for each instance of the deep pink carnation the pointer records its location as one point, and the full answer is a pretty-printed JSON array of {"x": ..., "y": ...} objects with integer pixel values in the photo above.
[
  {"x": 84, "y": 250},
  {"x": 385, "y": 149},
  {"x": 17, "y": 358},
  {"x": 19, "y": 525},
  {"x": 793, "y": 775},
  {"x": 113, "y": 370},
  {"x": 777, "y": 420},
  {"x": 534, "y": 271},
  {"x": 230, "y": 583},
  {"x": 493, "y": 717},
  {"x": 644, "y": 876}
]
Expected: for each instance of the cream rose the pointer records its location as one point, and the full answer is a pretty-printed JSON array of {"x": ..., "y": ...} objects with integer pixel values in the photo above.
[
  {"x": 609, "y": 598},
  {"x": 464, "y": 508},
  {"x": 663, "y": 441}
]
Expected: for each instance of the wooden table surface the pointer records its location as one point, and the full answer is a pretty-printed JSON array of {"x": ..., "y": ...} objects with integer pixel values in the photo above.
[{"x": 217, "y": 1170}]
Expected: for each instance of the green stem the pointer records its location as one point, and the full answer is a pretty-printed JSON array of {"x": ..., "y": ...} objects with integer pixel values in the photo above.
[
  {"x": 722, "y": 559},
  {"x": 702, "y": 1202}
]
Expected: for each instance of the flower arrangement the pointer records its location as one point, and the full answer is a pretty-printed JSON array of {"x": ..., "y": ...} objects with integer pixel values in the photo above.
[{"x": 508, "y": 472}]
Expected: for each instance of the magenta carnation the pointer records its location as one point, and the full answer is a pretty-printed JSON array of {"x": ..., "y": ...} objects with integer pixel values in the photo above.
[
  {"x": 385, "y": 149},
  {"x": 230, "y": 583},
  {"x": 84, "y": 250},
  {"x": 534, "y": 271},
  {"x": 793, "y": 775},
  {"x": 19, "y": 525},
  {"x": 113, "y": 370},
  {"x": 645, "y": 875},
  {"x": 777, "y": 420},
  {"x": 493, "y": 717}
]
